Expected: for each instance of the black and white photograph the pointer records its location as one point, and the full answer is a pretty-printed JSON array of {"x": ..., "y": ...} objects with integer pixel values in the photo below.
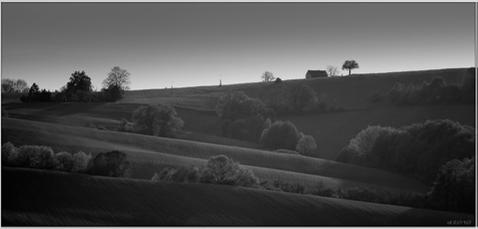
[{"x": 238, "y": 114}]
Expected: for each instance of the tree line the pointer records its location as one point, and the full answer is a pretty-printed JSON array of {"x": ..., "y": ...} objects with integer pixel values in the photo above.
[{"x": 78, "y": 88}]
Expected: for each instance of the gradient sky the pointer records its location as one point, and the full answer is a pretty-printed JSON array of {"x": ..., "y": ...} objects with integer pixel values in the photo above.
[{"x": 189, "y": 44}]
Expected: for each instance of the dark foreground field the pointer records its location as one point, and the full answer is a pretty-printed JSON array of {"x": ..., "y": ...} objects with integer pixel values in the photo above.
[{"x": 36, "y": 197}]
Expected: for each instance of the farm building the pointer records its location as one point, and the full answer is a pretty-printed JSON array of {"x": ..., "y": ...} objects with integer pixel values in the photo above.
[{"x": 315, "y": 74}]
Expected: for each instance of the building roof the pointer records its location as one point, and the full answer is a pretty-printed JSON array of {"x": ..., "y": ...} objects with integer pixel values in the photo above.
[{"x": 316, "y": 73}]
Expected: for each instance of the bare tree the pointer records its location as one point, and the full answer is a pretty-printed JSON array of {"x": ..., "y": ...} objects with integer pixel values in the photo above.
[
  {"x": 349, "y": 65},
  {"x": 267, "y": 76},
  {"x": 14, "y": 86},
  {"x": 117, "y": 77},
  {"x": 332, "y": 71}
]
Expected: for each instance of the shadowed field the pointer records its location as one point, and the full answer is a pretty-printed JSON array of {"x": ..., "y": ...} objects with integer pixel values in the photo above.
[
  {"x": 143, "y": 148},
  {"x": 73, "y": 199}
]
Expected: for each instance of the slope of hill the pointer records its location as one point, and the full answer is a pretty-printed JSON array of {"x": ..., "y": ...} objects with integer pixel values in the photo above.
[
  {"x": 347, "y": 92},
  {"x": 179, "y": 152},
  {"x": 332, "y": 131},
  {"x": 44, "y": 198}
]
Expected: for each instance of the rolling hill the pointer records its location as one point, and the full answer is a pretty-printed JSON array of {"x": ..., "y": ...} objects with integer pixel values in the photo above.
[
  {"x": 147, "y": 149},
  {"x": 36, "y": 197},
  {"x": 332, "y": 131}
]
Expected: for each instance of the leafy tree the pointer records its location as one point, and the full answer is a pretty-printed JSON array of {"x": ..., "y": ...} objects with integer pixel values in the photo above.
[
  {"x": 281, "y": 135},
  {"x": 159, "y": 120},
  {"x": 64, "y": 161},
  {"x": 113, "y": 164},
  {"x": 118, "y": 78},
  {"x": 349, "y": 65},
  {"x": 454, "y": 187},
  {"x": 306, "y": 145},
  {"x": 267, "y": 76},
  {"x": 80, "y": 161}
]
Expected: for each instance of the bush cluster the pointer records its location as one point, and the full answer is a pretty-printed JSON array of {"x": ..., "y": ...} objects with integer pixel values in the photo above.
[
  {"x": 112, "y": 163},
  {"x": 79, "y": 89},
  {"x": 219, "y": 169},
  {"x": 43, "y": 157},
  {"x": 416, "y": 150},
  {"x": 436, "y": 91},
  {"x": 285, "y": 136},
  {"x": 157, "y": 120}
]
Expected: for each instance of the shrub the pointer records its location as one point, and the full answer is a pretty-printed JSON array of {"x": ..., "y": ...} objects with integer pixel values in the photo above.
[
  {"x": 125, "y": 126},
  {"x": 281, "y": 135},
  {"x": 9, "y": 153},
  {"x": 40, "y": 157},
  {"x": 223, "y": 170},
  {"x": 183, "y": 175},
  {"x": 160, "y": 120},
  {"x": 454, "y": 186},
  {"x": 321, "y": 190},
  {"x": 111, "y": 163},
  {"x": 111, "y": 93},
  {"x": 64, "y": 161},
  {"x": 80, "y": 161},
  {"x": 306, "y": 145}
]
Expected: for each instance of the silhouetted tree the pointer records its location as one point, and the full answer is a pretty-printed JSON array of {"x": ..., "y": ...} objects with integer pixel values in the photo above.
[
  {"x": 79, "y": 81},
  {"x": 267, "y": 76},
  {"x": 117, "y": 77},
  {"x": 79, "y": 87},
  {"x": 34, "y": 90},
  {"x": 349, "y": 65}
]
